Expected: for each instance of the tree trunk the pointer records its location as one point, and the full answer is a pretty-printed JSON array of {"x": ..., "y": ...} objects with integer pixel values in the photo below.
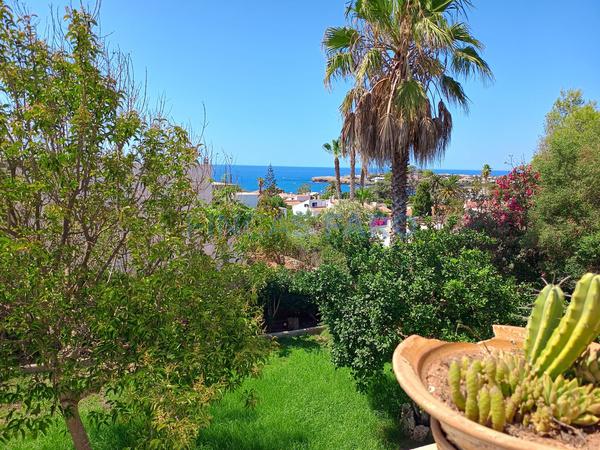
[
  {"x": 399, "y": 194},
  {"x": 363, "y": 175},
  {"x": 338, "y": 182},
  {"x": 75, "y": 425},
  {"x": 352, "y": 173}
]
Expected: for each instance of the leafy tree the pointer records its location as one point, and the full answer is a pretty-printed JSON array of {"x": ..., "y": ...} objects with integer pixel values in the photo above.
[
  {"x": 438, "y": 285},
  {"x": 364, "y": 195},
  {"x": 330, "y": 191},
  {"x": 334, "y": 149},
  {"x": 566, "y": 215},
  {"x": 382, "y": 190},
  {"x": 486, "y": 171},
  {"x": 304, "y": 188},
  {"x": 422, "y": 202},
  {"x": 103, "y": 285},
  {"x": 271, "y": 182},
  {"x": 404, "y": 57},
  {"x": 271, "y": 204}
]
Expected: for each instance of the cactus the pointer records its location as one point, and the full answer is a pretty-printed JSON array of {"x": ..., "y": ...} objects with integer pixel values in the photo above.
[
  {"x": 471, "y": 409},
  {"x": 545, "y": 317},
  {"x": 585, "y": 331},
  {"x": 483, "y": 404},
  {"x": 497, "y": 409},
  {"x": 454, "y": 381},
  {"x": 537, "y": 400},
  {"x": 536, "y": 387},
  {"x": 562, "y": 336}
]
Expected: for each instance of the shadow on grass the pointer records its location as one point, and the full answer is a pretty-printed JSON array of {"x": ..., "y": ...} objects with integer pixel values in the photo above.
[{"x": 307, "y": 343}]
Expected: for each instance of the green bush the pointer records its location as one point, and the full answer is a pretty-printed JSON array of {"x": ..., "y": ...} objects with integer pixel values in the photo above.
[{"x": 437, "y": 285}]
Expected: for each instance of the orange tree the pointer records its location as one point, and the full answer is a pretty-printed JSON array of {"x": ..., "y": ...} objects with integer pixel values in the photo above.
[{"x": 103, "y": 287}]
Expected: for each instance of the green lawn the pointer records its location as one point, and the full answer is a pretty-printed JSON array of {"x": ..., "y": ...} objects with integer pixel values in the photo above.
[{"x": 299, "y": 402}]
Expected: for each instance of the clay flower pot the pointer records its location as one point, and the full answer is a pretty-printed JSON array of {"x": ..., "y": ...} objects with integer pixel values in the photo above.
[{"x": 412, "y": 360}]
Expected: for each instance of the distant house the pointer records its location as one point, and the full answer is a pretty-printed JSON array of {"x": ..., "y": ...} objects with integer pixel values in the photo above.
[
  {"x": 313, "y": 206},
  {"x": 250, "y": 199}
]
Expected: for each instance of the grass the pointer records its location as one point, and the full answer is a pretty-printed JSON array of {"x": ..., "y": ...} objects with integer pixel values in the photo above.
[{"x": 301, "y": 401}]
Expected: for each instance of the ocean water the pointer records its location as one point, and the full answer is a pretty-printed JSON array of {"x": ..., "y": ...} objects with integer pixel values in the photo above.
[{"x": 291, "y": 178}]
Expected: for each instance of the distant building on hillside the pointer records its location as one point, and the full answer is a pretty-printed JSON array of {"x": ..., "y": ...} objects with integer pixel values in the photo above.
[
  {"x": 312, "y": 206},
  {"x": 250, "y": 199}
]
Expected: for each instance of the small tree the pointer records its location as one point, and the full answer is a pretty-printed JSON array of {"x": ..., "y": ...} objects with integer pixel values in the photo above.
[
  {"x": 304, "y": 188},
  {"x": 103, "y": 287},
  {"x": 422, "y": 202},
  {"x": 271, "y": 182}
]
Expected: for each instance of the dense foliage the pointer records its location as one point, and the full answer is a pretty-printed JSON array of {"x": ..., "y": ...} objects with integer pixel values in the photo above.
[
  {"x": 435, "y": 285},
  {"x": 502, "y": 213},
  {"x": 566, "y": 215},
  {"x": 103, "y": 284}
]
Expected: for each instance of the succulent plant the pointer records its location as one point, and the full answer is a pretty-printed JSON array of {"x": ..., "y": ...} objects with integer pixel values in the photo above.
[
  {"x": 587, "y": 367},
  {"x": 530, "y": 387},
  {"x": 519, "y": 395}
]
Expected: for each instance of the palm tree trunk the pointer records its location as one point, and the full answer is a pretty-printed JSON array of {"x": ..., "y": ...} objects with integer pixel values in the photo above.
[
  {"x": 338, "y": 181},
  {"x": 399, "y": 194},
  {"x": 363, "y": 175},
  {"x": 75, "y": 425},
  {"x": 352, "y": 173}
]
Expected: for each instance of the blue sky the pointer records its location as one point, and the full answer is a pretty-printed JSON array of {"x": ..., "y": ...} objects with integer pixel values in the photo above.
[{"x": 258, "y": 69}]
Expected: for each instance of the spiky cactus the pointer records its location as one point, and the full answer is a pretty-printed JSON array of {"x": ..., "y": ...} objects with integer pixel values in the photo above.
[
  {"x": 578, "y": 327},
  {"x": 531, "y": 387},
  {"x": 545, "y": 317},
  {"x": 540, "y": 401}
]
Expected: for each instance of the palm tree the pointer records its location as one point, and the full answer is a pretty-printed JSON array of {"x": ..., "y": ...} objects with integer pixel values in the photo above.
[
  {"x": 261, "y": 183},
  {"x": 352, "y": 154},
  {"x": 364, "y": 171},
  {"x": 334, "y": 149},
  {"x": 404, "y": 57},
  {"x": 486, "y": 172},
  {"x": 364, "y": 195}
]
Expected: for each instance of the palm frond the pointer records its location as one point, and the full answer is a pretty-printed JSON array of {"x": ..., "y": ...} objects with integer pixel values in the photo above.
[
  {"x": 339, "y": 65},
  {"x": 467, "y": 63},
  {"x": 461, "y": 34},
  {"x": 337, "y": 39},
  {"x": 370, "y": 64},
  {"x": 453, "y": 91},
  {"x": 410, "y": 98}
]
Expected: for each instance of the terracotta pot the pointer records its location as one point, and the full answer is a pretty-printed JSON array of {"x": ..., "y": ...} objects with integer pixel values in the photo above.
[{"x": 412, "y": 360}]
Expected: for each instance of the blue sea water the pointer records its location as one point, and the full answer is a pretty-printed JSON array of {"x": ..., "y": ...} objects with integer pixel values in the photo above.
[{"x": 291, "y": 178}]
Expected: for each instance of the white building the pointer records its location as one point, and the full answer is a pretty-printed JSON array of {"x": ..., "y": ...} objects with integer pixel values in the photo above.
[
  {"x": 313, "y": 206},
  {"x": 250, "y": 199}
]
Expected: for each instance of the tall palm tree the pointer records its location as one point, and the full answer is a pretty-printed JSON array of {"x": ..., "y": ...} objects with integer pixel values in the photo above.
[
  {"x": 352, "y": 154},
  {"x": 364, "y": 170},
  {"x": 333, "y": 148},
  {"x": 404, "y": 57},
  {"x": 261, "y": 183}
]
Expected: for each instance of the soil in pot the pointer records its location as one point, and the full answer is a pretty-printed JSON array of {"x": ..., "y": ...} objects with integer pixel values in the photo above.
[{"x": 581, "y": 438}]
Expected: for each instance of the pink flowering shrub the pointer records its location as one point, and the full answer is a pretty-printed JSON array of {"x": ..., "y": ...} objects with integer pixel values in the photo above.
[
  {"x": 502, "y": 215},
  {"x": 512, "y": 197}
]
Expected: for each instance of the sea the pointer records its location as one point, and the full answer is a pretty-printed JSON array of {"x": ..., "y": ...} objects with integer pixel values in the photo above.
[{"x": 291, "y": 178}]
